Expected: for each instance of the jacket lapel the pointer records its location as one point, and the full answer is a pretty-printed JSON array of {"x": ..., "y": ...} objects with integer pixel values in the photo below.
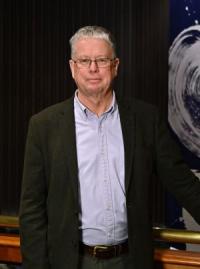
[
  {"x": 127, "y": 117},
  {"x": 68, "y": 139}
]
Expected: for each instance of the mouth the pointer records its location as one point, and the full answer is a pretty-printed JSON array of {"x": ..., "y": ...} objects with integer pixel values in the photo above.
[{"x": 94, "y": 80}]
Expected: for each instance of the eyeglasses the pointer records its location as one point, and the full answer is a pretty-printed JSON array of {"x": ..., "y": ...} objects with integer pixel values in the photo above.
[{"x": 86, "y": 63}]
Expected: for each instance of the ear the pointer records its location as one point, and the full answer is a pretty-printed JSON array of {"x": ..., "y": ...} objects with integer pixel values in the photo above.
[
  {"x": 115, "y": 66},
  {"x": 71, "y": 64}
]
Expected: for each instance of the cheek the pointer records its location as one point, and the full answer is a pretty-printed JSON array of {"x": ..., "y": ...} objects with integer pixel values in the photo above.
[
  {"x": 79, "y": 78},
  {"x": 77, "y": 74},
  {"x": 112, "y": 74}
]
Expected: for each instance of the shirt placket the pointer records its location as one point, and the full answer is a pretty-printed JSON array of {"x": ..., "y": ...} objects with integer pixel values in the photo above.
[{"x": 108, "y": 205}]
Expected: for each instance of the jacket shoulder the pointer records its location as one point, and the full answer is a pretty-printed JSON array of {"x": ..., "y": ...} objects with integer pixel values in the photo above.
[
  {"x": 53, "y": 112},
  {"x": 138, "y": 106},
  {"x": 141, "y": 106}
]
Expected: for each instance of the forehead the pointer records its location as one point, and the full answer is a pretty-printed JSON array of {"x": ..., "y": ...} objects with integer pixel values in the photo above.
[{"x": 92, "y": 46}]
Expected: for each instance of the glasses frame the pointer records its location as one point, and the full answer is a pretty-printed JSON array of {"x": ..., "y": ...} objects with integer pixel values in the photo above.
[{"x": 79, "y": 64}]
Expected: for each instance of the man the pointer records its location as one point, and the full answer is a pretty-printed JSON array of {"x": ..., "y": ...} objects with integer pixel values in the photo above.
[{"x": 89, "y": 161}]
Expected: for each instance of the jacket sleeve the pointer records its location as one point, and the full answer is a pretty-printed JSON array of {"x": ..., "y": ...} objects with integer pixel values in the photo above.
[
  {"x": 33, "y": 213},
  {"x": 174, "y": 172}
]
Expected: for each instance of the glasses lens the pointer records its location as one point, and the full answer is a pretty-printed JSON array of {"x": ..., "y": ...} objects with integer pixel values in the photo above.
[
  {"x": 84, "y": 62},
  {"x": 102, "y": 62}
]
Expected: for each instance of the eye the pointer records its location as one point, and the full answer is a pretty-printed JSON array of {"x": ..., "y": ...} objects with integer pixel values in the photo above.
[
  {"x": 84, "y": 61},
  {"x": 102, "y": 60}
]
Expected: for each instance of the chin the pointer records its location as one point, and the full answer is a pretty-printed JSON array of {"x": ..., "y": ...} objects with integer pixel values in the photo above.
[{"x": 94, "y": 90}]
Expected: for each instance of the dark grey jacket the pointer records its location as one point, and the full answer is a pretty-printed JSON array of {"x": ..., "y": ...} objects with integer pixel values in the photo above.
[{"x": 49, "y": 199}]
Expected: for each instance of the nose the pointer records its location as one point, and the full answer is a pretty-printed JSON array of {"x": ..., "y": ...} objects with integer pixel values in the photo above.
[{"x": 93, "y": 66}]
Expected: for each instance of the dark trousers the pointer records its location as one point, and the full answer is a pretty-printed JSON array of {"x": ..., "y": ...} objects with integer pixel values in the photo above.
[{"x": 89, "y": 262}]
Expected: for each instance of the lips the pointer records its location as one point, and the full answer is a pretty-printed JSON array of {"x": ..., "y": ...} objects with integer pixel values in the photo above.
[{"x": 94, "y": 79}]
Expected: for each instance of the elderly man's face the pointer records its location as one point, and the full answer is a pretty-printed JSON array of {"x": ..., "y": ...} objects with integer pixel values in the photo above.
[{"x": 93, "y": 80}]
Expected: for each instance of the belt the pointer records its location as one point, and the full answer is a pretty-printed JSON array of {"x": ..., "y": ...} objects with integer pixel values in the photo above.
[{"x": 103, "y": 251}]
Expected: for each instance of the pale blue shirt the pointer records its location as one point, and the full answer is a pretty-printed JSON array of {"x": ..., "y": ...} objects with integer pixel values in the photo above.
[{"x": 100, "y": 153}]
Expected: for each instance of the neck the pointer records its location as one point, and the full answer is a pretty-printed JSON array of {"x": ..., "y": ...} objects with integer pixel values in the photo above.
[{"x": 98, "y": 104}]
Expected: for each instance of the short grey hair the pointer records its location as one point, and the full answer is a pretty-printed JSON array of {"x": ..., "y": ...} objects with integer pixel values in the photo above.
[{"x": 95, "y": 32}]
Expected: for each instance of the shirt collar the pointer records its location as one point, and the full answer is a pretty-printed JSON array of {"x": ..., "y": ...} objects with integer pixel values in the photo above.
[{"x": 85, "y": 110}]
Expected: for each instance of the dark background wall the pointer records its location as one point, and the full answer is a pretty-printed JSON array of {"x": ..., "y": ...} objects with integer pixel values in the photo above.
[{"x": 34, "y": 70}]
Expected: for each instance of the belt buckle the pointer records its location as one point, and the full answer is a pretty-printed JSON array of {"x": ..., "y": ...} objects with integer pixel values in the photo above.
[{"x": 98, "y": 247}]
